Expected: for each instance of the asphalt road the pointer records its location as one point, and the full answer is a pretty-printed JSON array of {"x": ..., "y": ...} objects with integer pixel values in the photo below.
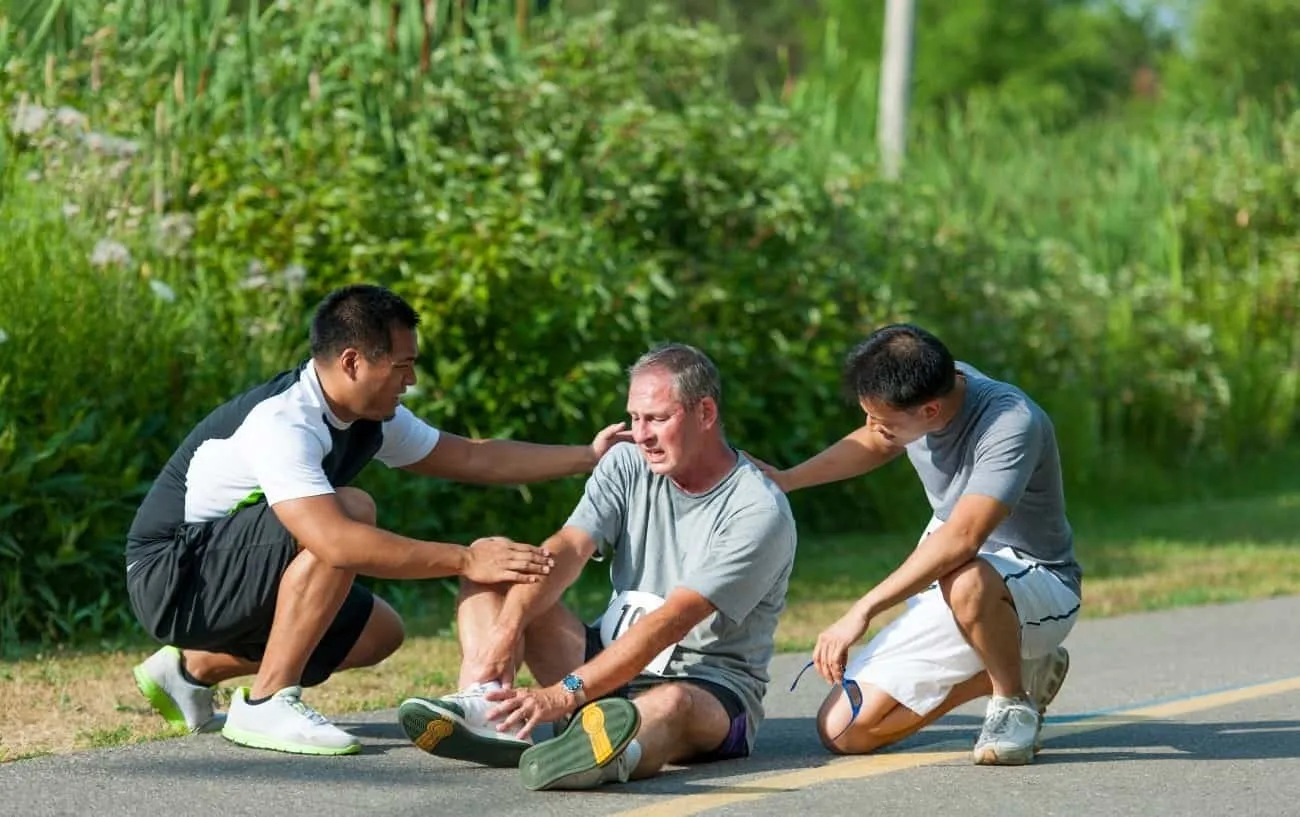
[{"x": 1191, "y": 712}]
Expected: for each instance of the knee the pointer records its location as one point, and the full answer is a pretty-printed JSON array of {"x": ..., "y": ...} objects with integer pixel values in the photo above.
[
  {"x": 833, "y": 721},
  {"x": 970, "y": 589},
  {"x": 667, "y": 701},
  {"x": 358, "y": 505}
]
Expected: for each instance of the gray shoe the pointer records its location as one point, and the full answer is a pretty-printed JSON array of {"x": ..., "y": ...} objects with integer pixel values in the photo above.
[
  {"x": 1010, "y": 728},
  {"x": 1043, "y": 678}
]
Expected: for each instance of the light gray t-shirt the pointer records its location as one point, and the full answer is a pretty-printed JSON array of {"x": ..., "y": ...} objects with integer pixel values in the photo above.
[
  {"x": 1003, "y": 445},
  {"x": 734, "y": 545}
]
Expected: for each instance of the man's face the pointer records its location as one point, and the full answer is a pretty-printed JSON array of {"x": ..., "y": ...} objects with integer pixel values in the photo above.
[
  {"x": 665, "y": 431},
  {"x": 378, "y": 384},
  {"x": 899, "y": 426}
]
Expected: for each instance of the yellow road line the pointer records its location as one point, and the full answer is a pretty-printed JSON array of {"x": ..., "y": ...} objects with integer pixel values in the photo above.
[{"x": 864, "y": 766}]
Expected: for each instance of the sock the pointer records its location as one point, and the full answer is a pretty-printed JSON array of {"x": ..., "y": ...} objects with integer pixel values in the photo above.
[
  {"x": 256, "y": 701},
  {"x": 185, "y": 674},
  {"x": 621, "y": 769}
]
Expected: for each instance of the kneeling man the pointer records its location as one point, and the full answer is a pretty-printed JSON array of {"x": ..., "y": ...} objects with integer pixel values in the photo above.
[{"x": 700, "y": 544}]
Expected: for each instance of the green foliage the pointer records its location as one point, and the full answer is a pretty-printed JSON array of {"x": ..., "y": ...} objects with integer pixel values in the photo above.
[
  {"x": 1049, "y": 62},
  {"x": 553, "y": 205},
  {"x": 1239, "y": 50}
]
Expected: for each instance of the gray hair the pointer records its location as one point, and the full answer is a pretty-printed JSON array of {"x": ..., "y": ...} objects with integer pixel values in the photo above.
[{"x": 695, "y": 377}]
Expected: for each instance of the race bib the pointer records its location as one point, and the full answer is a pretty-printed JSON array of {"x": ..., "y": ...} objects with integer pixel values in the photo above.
[{"x": 626, "y": 609}]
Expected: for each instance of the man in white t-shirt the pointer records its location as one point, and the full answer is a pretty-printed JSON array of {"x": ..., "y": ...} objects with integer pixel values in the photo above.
[{"x": 243, "y": 557}]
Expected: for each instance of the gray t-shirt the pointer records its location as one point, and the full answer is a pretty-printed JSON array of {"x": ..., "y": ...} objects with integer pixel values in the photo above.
[
  {"x": 734, "y": 545},
  {"x": 1003, "y": 445}
]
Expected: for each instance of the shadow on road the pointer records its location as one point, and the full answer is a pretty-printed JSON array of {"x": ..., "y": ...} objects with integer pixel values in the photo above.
[{"x": 1167, "y": 740}]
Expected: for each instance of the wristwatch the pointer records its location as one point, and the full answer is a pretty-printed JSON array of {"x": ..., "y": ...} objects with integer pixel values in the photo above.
[{"x": 573, "y": 685}]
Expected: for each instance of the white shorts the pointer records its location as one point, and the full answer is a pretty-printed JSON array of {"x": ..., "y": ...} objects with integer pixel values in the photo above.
[{"x": 920, "y": 656}]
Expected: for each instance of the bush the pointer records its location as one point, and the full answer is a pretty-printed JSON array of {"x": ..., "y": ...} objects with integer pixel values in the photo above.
[{"x": 554, "y": 206}]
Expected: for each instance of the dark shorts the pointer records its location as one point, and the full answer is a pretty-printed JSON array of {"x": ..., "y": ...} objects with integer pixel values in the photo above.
[
  {"x": 733, "y": 746},
  {"x": 213, "y": 588}
]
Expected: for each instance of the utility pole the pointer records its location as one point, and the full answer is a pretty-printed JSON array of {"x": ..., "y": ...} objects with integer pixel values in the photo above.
[{"x": 895, "y": 80}]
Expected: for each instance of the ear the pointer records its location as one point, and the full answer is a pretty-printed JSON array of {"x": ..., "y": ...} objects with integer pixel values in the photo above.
[
  {"x": 349, "y": 362},
  {"x": 930, "y": 410},
  {"x": 708, "y": 412}
]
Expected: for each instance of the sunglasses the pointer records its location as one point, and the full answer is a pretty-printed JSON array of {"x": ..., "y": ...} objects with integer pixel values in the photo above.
[{"x": 851, "y": 690}]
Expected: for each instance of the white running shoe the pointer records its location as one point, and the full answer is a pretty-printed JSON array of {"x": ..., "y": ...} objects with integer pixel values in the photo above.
[
  {"x": 1010, "y": 729},
  {"x": 285, "y": 724},
  {"x": 456, "y": 726},
  {"x": 187, "y": 707}
]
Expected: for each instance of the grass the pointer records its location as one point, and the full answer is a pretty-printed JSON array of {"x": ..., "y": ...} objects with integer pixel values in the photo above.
[{"x": 1148, "y": 559}]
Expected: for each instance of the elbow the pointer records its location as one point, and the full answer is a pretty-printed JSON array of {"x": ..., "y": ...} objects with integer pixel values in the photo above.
[{"x": 331, "y": 550}]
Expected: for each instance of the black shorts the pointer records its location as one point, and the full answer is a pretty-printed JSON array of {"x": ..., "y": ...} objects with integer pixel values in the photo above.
[
  {"x": 213, "y": 588},
  {"x": 733, "y": 746}
]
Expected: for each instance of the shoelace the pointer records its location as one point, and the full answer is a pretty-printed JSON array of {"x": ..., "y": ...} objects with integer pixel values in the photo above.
[
  {"x": 302, "y": 708},
  {"x": 1002, "y": 719},
  {"x": 851, "y": 690}
]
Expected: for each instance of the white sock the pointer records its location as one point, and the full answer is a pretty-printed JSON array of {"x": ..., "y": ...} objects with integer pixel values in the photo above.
[{"x": 621, "y": 769}]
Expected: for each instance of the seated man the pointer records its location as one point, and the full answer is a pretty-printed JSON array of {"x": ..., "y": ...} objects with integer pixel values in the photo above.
[
  {"x": 994, "y": 579},
  {"x": 700, "y": 545},
  {"x": 243, "y": 556}
]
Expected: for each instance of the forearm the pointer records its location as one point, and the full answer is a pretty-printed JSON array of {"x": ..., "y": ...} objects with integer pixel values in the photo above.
[
  {"x": 854, "y": 455},
  {"x": 381, "y": 554},
  {"x": 938, "y": 555},
  {"x": 624, "y": 659},
  {"x": 512, "y": 462},
  {"x": 525, "y": 602}
]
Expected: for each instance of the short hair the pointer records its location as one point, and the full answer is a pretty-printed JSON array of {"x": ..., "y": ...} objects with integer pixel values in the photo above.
[
  {"x": 695, "y": 377},
  {"x": 902, "y": 365},
  {"x": 360, "y": 316}
]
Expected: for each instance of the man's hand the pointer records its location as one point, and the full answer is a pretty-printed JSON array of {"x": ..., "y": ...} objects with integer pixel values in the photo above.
[
  {"x": 609, "y": 437},
  {"x": 493, "y": 659},
  {"x": 832, "y": 650},
  {"x": 524, "y": 709},
  {"x": 495, "y": 559}
]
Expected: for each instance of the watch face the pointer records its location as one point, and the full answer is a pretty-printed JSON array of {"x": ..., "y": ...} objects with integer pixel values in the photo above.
[{"x": 572, "y": 683}]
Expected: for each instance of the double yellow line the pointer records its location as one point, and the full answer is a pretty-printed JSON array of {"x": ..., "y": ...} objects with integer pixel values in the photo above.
[{"x": 856, "y": 768}]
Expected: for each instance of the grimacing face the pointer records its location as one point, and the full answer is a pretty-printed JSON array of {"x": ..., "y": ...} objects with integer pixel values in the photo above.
[
  {"x": 378, "y": 385},
  {"x": 664, "y": 429},
  {"x": 899, "y": 426}
]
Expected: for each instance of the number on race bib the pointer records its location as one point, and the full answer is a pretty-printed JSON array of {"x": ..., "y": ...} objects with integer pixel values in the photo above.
[{"x": 626, "y": 609}]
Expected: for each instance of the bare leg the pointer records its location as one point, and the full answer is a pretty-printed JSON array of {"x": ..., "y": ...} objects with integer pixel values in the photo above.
[
  {"x": 986, "y": 615},
  {"x": 382, "y": 635},
  {"x": 678, "y": 721},
  {"x": 310, "y": 595},
  {"x": 555, "y": 644},
  {"x": 883, "y": 720},
  {"x": 477, "y": 608},
  {"x": 210, "y": 668},
  {"x": 552, "y": 645}
]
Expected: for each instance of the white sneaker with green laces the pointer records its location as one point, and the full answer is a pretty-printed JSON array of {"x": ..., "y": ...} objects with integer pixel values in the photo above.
[
  {"x": 186, "y": 706},
  {"x": 1010, "y": 729},
  {"x": 284, "y": 723}
]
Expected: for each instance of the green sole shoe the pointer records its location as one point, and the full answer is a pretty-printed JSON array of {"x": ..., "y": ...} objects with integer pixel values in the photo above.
[{"x": 594, "y": 738}]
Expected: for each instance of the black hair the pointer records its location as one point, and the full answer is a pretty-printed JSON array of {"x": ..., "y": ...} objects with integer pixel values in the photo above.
[
  {"x": 901, "y": 365},
  {"x": 360, "y": 316}
]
